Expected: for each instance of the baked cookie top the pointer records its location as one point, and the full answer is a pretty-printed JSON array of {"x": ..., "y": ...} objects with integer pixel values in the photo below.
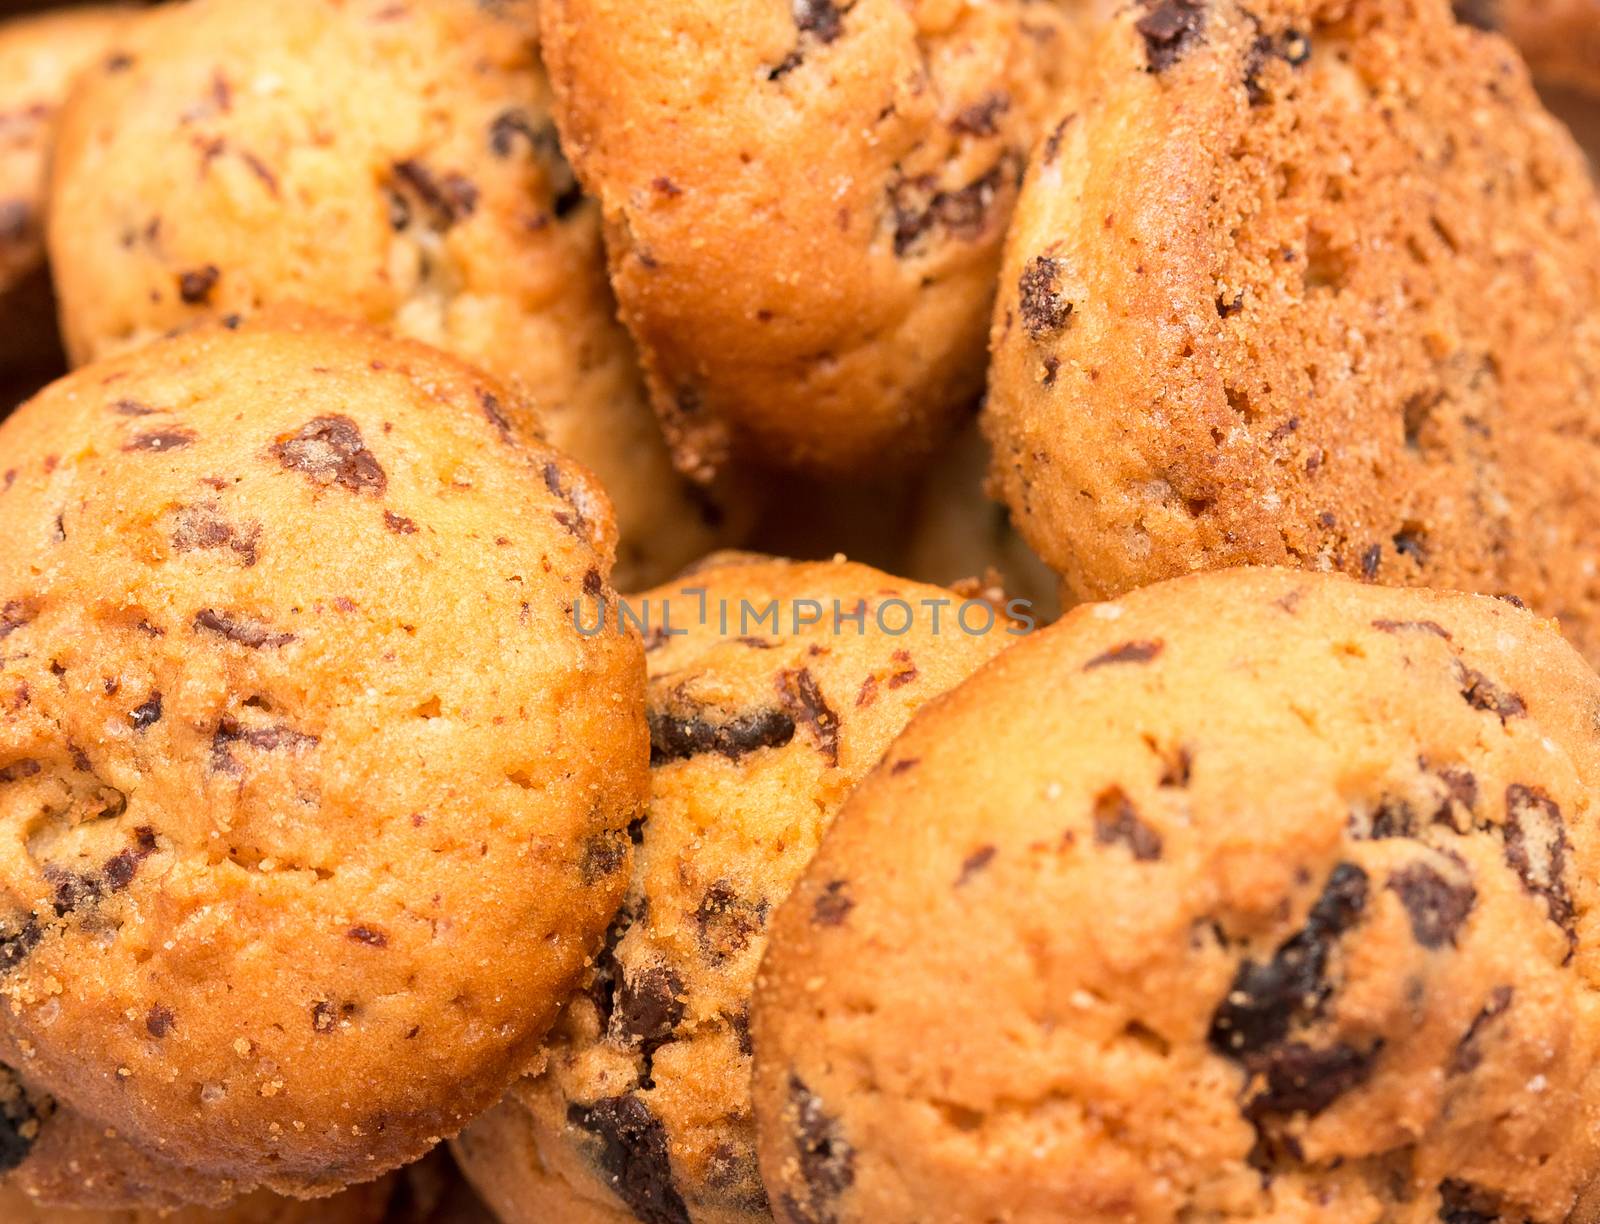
[
  {"x": 394, "y": 163},
  {"x": 1313, "y": 284},
  {"x": 313, "y": 797},
  {"x": 758, "y": 731},
  {"x": 1257, "y": 895},
  {"x": 804, "y": 207}
]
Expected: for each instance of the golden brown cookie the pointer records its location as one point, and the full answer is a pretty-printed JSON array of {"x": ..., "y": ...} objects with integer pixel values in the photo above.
[
  {"x": 39, "y": 57},
  {"x": 1254, "y": 896},
  {"x": 391, "y": 162},
  {"x": 757, "y": 734},
  {"x": 804, "y": 206},
  {"x": 313, "y": 796},
  {"x": 1313, "y": 284}
]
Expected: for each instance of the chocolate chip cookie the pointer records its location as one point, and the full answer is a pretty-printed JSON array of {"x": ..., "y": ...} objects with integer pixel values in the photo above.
[
  {"x": 757, "y": 733},
  {"x": 1313, "y": 285},
  {"x": 366, "y": 1204},
  {"x": 804, "y": 206},
  {"x": 1256, "y": 895},
  {"x": 313, "y": 796},
  {"x": 39, "y": 57},
  {"x": 395, "y": 163}
]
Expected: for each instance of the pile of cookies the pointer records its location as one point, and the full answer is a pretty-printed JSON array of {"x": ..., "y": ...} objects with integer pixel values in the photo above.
[{"x": 516, "y": 702}]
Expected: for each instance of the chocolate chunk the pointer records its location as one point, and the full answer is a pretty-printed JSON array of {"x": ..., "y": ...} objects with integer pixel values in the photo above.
[
  {"x": 822, "y": 19},
  {"x": 14, "y": 615},
  {"x": 605, "y": 978},
  {"x": 1393, "y": 817},
  {"x": 1227, "y": 309},
  {"x": 1536, "y": 848},
  {"x": 1291, "y": 46},
  {"x": 71, "y": 890},
  {"x": 1264, "y": 999},
  {"x": 1044, "y": 311},
  {"x": 833, "y": 904},
  {"x": 195, "y": 286},
  {"x": 146, "y": 715},
  {"x": 252, "y": 634},
  {"x": 507, "y": 128},
  {"x": 1436, "y": 906},
  {"x": 16, "y": 771},
  {"x": 1463, "y": 1203},
  {"x": 826, "y": 1161},
  {"x": 160, "y": 440},
  {"x": 918, "y": 207},
  {"x": 330, "y": 450},
  {"x": 19, "y": 1121},
  {"x": 1116, "y": 822},
  {"x": 1412, "y": 626},
  {"x": 603, "y": 855},
  {"x": 975, "y": 864},
  {"x": 1468, "y": 1053},
  {"x": 398, "y": 523},
  {"x": 802, "y": 695},
  {"x": 727, "y": 922},
  {"x": 1128, "y": 652},
  {"x": 634, "y": 1156},
  {"x": 1169, "y": 29},
  {"x": 649, "y": 1005},
  {"x": 1482, "y": 693},
  {"x": 203, "y": 527},
  {"x": 449, "y": 198},
  {"x": 674, "y": 738},
  {"x": 266, "y": 739},
  {"x": 981, "y": 118},
  {"x": 495, "y": 414},
  {"x": 158, "y": 1021},
  {"x": 1304, "y": 1079},
  {"x": 16, "y": 943},
  {"x": 373, "y": 937},
  {"x": 1479, "y": 14}
]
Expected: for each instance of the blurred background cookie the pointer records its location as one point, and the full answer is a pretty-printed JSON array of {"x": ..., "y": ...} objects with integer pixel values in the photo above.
[
  {"x": 1254, "y": 895},
  {"x": 1316, "y": 286},
  {"x": 758, "y": 731},
  {"x": 313, "y": 796},
  {"x": 40, "y": 55},
  {"x": 804, "y": 207},
  {"x": 395, "y": 163}
]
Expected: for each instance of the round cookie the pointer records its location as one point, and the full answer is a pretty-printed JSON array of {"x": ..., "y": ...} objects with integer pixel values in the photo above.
[
  {"x": 758, "y": 732},
  {"x": 1313, "y": 284},
  {"x": 395, "y": 163},
  {"x": 313, "y": 796},
  {"x": 804, "y": 207},
  {"x": 1257, "y": 895},
  {"x": 39, "y": 57}
]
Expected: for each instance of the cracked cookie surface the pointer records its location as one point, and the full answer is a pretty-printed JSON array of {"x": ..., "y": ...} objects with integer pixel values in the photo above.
[
  {"x": 642, "y": 1109},
  {"x": 394, "y": 163},
  {"x": 313, "y": 797},
  {"x": 804, "y": 207},
  {"x": 1311, "y": 284},
  {"x": 1256, "y": 895}
]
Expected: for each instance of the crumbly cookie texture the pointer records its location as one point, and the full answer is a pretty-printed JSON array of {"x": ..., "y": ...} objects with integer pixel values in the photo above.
[
  {"x": 804, "y": 207},
  {"x": 1258, "y": 895},
  {"x": 757, "y": 734},
  {"x": 39, "y": 57},
  {"x": 1559, "y": 38},
  {"x": 313, "y": 796},
  {"x": 393, "y": 163},
  {"x": 1311, "y": 284}
]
